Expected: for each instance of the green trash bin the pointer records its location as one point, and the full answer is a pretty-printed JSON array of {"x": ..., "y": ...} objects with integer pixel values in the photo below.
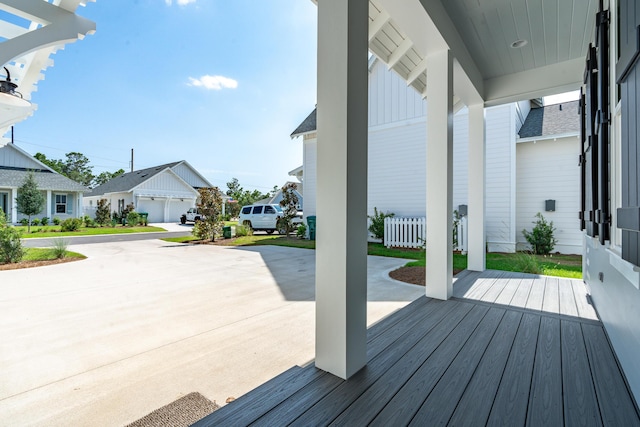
[
  {"x": 226, "y": 232},
  {"x": 311, "y": 222},
  {"x": 144, "y": 217}
]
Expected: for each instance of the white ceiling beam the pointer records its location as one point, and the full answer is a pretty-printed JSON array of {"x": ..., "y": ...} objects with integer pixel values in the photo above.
[
  {"x": 9, "y": 30},
  {"x": 417, "y": 71},
  {"x": 543, "y": 81},
  {"x": 377, "y": 24},
  {"x": 399, "y": 52},
  {"x": 38, "y": 11}
]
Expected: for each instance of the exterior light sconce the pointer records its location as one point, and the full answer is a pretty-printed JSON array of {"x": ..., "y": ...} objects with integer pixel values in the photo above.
[
  {"x": 462, "y": 210},
  {"x": 8, "y": 94},
  {"x": 152, "y": 198},
  {"x": 182, "y": 200},
  {"x": 550, "y": 205}
]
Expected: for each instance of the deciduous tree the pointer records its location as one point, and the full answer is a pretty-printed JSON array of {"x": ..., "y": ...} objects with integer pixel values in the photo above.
[
  {"x": 30, "y": 200},
  {"x": 210, "y": 205}
]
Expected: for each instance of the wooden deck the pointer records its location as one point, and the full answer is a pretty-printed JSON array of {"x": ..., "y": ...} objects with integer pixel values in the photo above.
[{"x": 508, "y": 349}]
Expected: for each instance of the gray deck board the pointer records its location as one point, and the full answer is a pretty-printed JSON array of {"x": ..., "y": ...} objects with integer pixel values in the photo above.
[
  {"x": 545, "y": 400},
  {"x": 483, "y": 387},
  {"x": 580, "y": 402},
  {"x": 484, "y": 361}
]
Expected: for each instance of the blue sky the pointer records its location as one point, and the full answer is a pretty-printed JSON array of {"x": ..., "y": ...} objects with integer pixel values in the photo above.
[{"x": 218, "y": 83}]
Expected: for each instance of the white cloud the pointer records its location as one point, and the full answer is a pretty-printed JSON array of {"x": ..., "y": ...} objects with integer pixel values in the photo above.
[
  {"x": 179, "y": 2},
  {"x": 213, "y": 82}
]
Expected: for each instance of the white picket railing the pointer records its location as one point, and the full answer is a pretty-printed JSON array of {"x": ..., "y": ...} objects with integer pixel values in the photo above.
[
  {"x": 412, "y": 233},
  {"x": 405, "y": 232}
]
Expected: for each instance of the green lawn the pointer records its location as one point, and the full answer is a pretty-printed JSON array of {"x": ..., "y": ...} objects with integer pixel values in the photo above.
[
  {"x": 54, "y": 231},
  {"x": 44, "y": 254},
  {"x": 552, "y": 265}
]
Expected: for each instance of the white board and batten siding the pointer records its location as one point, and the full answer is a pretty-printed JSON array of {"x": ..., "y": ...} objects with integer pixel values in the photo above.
[
  {"x": 191, "y": 177},
  {"x": 309, "y": 156},
  {"x": 538, "y": 180}
]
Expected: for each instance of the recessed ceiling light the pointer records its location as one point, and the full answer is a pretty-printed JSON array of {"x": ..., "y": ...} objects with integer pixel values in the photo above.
[{"x": 518, "y": 44}]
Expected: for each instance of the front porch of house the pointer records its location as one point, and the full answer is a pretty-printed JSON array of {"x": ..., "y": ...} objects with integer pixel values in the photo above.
[{"x": 507, "y": 349}]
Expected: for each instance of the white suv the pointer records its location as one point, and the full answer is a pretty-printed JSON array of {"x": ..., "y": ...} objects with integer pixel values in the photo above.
[{"x": 263, "y": 218}]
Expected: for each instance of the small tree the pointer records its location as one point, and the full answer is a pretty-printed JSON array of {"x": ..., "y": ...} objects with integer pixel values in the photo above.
[
  {"x": 541, "y": 237},
  {"x": 10, "y": 244},
  {"x": 103, "y": 212},
  {"x": 289, "y": 204},
  {"x": 30, "y": 200},
  {"x": 210, "y": 205}
]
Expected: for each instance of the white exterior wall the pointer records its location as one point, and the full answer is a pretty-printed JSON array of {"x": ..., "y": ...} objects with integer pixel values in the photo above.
[
  {"x": 13, "y": 158},
  {"x": 190, "y": 176},
  {"x": 538, "y": 180},
  {"x": 500, "y": 178},
  {"x": 90, "y": 202},
  {"x": 309, "y": 154},
  {"x": 390, "y": 100}
]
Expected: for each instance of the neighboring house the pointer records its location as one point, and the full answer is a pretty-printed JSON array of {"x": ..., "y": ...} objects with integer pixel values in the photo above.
[
  {"x": 521, "y": 172},
  {"x": 164, "y": 192},
  {"x": 277, "y": 197},
  {"x": 63, "y": 195}
]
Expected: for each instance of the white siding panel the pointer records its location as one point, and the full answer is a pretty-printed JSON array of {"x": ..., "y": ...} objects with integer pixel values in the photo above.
[
  {"x": 11, "y": 157},
  {"x": 500, "y": 178},
  {"x": 165, "y": 183},
  {"x": 390, "y": 99},
  {"x": 460, "y": 158},
  {"x": 190, "y": 176},
  {"x": 539, "y": 179}
]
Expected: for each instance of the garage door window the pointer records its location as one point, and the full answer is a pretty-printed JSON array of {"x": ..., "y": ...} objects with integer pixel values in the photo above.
[{"x": 61, "y": 203}]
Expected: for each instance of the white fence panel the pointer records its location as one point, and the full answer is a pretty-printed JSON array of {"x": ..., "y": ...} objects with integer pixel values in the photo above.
[{"x": 405, "y": 232}]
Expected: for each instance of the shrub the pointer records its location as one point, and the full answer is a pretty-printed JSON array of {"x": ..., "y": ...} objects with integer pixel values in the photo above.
[
  {"x": 56, "y": 220},
  {"x": 24, "y": 222},
  {"x": 86, "y": 220},
  {"x": 527, "y": 263},
  {"x": 301, "y": 231},
  {"x": 133, "y": 218},
  {"x": 243, "y": 230},
  {"x": 10, "y": 245},
  {"x": 541, "y": 237},
  {"x": 35, "y": 221},
  {"x": 71, "y": 224},
  {"x": 44, "y": 221},
  {"x": 89, "y": 223},
  {"x": 59, "y": 248},
  {"x": 377, "y": 223}
]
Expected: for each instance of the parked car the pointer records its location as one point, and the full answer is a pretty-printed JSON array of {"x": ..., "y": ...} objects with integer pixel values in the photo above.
[
  {"x": 192, "y": 215},
  {"x": 265, "y": 218}
]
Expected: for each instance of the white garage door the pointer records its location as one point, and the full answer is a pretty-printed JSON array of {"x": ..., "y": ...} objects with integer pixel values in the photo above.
[
  {"x": 155, "y": 209},
  {"x": 177, "y": 208}
]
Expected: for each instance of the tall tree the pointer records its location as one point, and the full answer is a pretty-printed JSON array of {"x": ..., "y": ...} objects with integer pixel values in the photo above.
[
  {"x": 106, "y": 176},
  {"x": 210, "y": 205},
  {"x": 289, "y": 205},
  {"x": 56, "y": 165},
  {"x": 30, "y": 200},
  {"x": 243, "y": 197},
  {"x": 76, "y": 167}
]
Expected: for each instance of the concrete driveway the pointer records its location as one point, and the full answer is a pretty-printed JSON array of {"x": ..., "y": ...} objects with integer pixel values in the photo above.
[{"x": 139, "y": 324}]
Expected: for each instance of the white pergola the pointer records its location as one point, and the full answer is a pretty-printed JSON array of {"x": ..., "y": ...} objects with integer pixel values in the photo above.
[
  {"x": 30, "y": 32},
  {"x": 454, "y": 52}
]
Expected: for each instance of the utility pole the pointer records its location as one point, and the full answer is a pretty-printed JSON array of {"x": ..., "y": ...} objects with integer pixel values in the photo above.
[{"x": 132, "y": 160}]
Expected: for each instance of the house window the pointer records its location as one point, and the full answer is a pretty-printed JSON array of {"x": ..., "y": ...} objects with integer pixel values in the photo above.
[{"x": 61, "y": 203}]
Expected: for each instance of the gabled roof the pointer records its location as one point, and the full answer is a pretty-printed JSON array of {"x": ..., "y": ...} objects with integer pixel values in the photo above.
[
  {"x": 307, "y": 126},
  {"x": 46, "y": 180},
  {"x": 128, "y": 181},
  {"x": 552, "y": 120}
]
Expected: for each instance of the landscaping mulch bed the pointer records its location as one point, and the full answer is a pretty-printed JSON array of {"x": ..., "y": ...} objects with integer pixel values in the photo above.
[
  {"x": 30, "y": 264},
  {"x": 413, "y": 275}
]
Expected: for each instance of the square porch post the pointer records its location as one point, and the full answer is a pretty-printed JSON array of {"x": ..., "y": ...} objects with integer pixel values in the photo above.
[
  {"x": 48, "y": 207},
  {"x": 439, "y": 275},
  {"x": 477, "y": 158},
  {"x": 341, "y": 255}
]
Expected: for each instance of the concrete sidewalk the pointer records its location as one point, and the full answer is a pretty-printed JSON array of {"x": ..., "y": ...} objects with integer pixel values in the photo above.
[{"x": 137, "y": 325}]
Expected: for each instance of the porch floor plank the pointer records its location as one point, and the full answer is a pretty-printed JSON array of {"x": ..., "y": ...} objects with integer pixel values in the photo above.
[{"x": 509, "y": 349}]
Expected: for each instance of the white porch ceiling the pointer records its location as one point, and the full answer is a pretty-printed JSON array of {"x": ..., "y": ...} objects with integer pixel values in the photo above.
[
  {"x": 30, "y": 32},
  {"x": 480, "y": 34}
]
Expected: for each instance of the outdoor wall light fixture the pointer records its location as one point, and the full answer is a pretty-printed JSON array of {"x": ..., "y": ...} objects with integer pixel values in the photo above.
[
  {"x": 550, "y": 205},
  {"x": 8, "y": 94},
  {"x": 152, "y": 198}
]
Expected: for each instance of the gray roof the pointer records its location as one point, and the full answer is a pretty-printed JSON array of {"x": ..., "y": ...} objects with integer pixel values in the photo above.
[
  {"x": 554, "y": 119},
  {"x": 128, "y": 181},
  {"x": 308, "y": 125},
  {"x": 45, "y": 180}
]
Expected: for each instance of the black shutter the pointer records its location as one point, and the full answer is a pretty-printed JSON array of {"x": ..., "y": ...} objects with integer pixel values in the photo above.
[
  {"x": 628, "y": 73},
  {"x": 603, "y": 215},
  {"x": 589, "y": 160}
]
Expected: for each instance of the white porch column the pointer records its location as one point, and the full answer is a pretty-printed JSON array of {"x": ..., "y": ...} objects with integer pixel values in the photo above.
[
  {"x": 13, "y": 205},
  {"x": 477, "y": 239},
  {"x": 341, "y": 255},
  {"x": 439, "y": 276},
  {"x": 48, "y": 207}
]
